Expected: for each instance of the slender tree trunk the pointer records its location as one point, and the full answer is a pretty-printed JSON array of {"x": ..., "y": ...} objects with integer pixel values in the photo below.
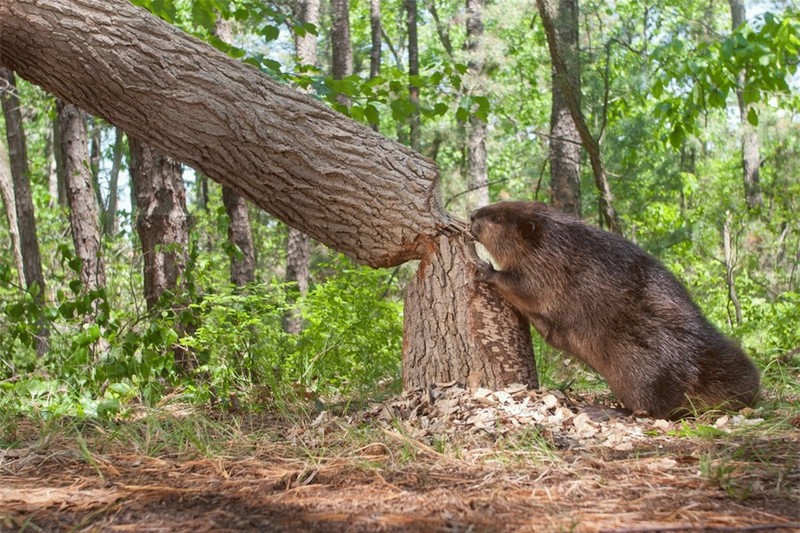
[
  {"x": 240, "y": 235},
  {"x": 415, "y": 126},
  {"x": 26, "y": 221},
  {"x": 58, "y": 159},
  {"x": 375, "y": 47},
  {"x": 565, "y": 141},
  {"x": 95, "y": 156},
  {"x": 342, "y": 183},
  {"x": 7, "y": 194},
  {"x": 110, "y": 227},
  {"x": 341, "y": 47},
  {"x": 161, "y": 220},
  {"x": 549, "y": 13},
  {"x": 52, "y": 167},
  {"x": 84, "y": 214},
  {"x": 477, "y": 168},
  {"x": 751, "y": 156}
]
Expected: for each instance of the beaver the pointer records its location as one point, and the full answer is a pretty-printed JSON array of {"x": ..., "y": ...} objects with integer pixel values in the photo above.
[{"x": 606, "y": 301}]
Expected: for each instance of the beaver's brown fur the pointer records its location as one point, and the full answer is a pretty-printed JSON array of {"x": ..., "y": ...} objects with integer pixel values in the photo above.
[{"x": 606, "y": 301}]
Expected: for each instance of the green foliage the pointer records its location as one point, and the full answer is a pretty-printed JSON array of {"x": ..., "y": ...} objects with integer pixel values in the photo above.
[
  {"x": 349, "y": 342},
  {"x": 694, "y": 80}
]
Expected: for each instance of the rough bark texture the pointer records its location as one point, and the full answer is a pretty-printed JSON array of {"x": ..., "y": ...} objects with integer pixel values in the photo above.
[
  {"x": 565, "y": 141},
  {"x": 375, "y": 32},
  {"x": 375, "y": 47},
  {"x": 341, "y": 47},
  {"x": 549, "y": 13},
  {"x": 414, "y": 122},
  {"x": 26, "y": 221},
  {"x": 240, "y": 235},
  {"x": 84, "y": 213},
  {"x": 339, "y": 181},
  {"x": 487, "y": 343},
  {"x": 284, "y": 151},
  {"x": 477, "y": 168},
  {"x": 160, "y": 218},
  {"x": 18, "y": 160},
  {"x": 7, "y": 194},
  {"x": 751, "y": 149}
]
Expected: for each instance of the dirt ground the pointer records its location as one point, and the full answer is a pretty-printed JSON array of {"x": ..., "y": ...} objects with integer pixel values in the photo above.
[{"x": 384, "y": 469}]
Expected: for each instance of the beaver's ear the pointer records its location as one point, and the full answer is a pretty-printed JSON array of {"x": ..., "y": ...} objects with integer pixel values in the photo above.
[{"x": 529, "y": 229}]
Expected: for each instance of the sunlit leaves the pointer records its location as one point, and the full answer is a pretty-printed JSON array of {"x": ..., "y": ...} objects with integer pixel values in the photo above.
[{"x": 693, "y": 81}]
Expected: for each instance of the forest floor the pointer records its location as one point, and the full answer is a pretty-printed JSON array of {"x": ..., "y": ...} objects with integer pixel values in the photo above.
[{"x": 448, "y": 460}]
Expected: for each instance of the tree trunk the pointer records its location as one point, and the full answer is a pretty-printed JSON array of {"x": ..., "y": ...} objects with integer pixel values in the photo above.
[
  {"x": 375, "y": 47},
  {"x": 341, "y": 47},
  {"x": 549, "y": 13},
  {"x": 7, "y": 194},
  {"x": 110, "y": 214},
  {"x": 565, "y": 141},
  {"x": 58, "y": 158},
  {"x": 482, "y": 336},
  {"x": 83, "y": 210},
  {"x": 52, "y": 166},
  {"x": 26, "y": 221},
  {"x": 751, "y": 156},
  {"x": 477, "y": 169},
  {"x": 240, "y": 235},
  {"x": 95, "y": 155},
  {"x": 342, "y": 183},
  {"x": 160, "y": 218},
  {"x": 414, "y": 123}
]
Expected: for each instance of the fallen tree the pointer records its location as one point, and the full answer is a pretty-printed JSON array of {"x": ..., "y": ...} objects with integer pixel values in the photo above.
[{"x": 320, "y": 172}]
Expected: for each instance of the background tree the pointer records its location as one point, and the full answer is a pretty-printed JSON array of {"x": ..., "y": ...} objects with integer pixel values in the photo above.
[
  {"x": 414, "y": 120},
  {"x": 565, "y": 178},
  {"x": 240, "y": 236},
  {"x": 84, "y": 214},
  {"x": 160, "y": 218},
  {"x": 477, "y": 171},
  {"x": 751, "y": 157},
  {"x": 10, "y": 205},
  {"x": 23, "y": 200},
  {"x": 549, "y": 11}
]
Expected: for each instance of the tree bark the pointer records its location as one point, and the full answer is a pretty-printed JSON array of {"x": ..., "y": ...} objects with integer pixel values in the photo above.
[
  {"x": 565, "y": 141},
  {"x": 548, "y": 11},
  {"x": 477, "y": 168},
  {"x": 375, "y": 47},
  {"x": 342, "y": 183},
  {"x": 23, "y": 199},
  {"x": 751, "y": 156},
  {"x": 414, "y": 121},
  {"x": 161, "y": 220},
  {"x": 84, "y": 213},
  {"x": 240, "y": 235},
  {"x": 341, "y": 47},
  {"x": 483, "y": 336},
  {"x": 7, "y": 194}
]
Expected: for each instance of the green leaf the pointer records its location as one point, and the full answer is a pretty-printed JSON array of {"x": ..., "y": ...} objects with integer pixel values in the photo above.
[
  {"x": 270, "y": 33},
  {"x": 752, "y": 117},
  {"x": 372, "y": 115}
]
